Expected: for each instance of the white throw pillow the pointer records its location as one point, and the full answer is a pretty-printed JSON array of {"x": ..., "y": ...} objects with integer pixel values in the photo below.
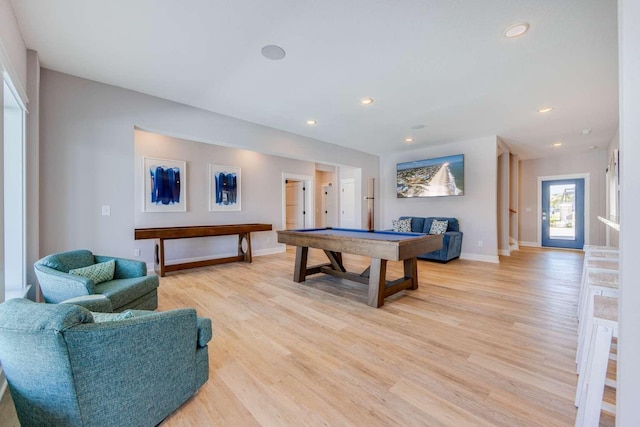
[
  {"x": 402, "y": 225},
  {"x": 438, "y": 227}
]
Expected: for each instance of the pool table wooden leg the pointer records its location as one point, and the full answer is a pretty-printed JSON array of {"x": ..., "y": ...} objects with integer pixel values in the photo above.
[
  {"x": 300, "y": 272},
  {"x": 411, "y": 271},
  {"x": 377, "y": 282}
]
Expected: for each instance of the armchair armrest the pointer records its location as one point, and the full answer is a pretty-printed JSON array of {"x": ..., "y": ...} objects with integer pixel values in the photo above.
[
  {"x": 125, "y": 268},
  {"x": 58, "y": 286},
  {"x": 95, "y": 302},
  {"x": 204, "y": 331}
]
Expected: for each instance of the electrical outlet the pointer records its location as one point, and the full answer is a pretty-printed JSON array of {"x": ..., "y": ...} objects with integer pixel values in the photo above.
[
  {"x": 480, "y": 243},
  {"x": 106, "y": 210},
  {"x": 136, "y": 252}
]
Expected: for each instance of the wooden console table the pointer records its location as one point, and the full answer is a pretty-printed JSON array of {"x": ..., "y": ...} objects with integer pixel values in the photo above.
[{"x": 166, "y": 233}]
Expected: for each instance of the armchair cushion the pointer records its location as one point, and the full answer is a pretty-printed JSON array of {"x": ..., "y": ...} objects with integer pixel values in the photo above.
[
  {"x": 100, "y": 272},
  {"x": 111, "y": 317}
]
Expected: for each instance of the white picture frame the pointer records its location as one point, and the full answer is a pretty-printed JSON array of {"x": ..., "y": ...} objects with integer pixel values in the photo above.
[
  {"x": 225, "y": 188},
  {"x": 164, "y": 185}
]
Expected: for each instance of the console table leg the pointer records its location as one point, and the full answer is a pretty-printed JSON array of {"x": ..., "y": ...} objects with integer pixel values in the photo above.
[
  {"x": 246, "y": 254},
  {"x": 158, "y": 260}
]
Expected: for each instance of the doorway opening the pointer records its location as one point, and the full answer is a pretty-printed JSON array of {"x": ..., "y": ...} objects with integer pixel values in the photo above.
[
  {"x": 297, "y": 200},
  {"x": 562, "y": 215}
]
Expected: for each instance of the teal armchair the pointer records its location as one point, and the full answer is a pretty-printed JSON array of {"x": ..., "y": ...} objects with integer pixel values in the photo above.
[
  {"x": 130, "y": 287},
  {"x": 67, "y": 366}
]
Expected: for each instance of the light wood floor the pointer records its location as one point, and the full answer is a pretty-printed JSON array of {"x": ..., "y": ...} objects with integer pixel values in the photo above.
[{"x": 477, "y": 344}]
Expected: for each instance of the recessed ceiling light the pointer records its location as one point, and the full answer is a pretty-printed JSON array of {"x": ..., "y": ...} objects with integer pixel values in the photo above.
[
  {"x": 311, "y": 122},
  {"x": 593, "y": 147},
  {"x": 417, "y": 127},
  {"x": 408, "y": 140},
  {"x": 585, "y": 131},
  {"x": 366, "y": 101},
  {"x": 545, "y": 109},
  {"x": 516, "y": 30},
  {"x": 557, "y": 144},
  {"x": 273, "y": 52}
]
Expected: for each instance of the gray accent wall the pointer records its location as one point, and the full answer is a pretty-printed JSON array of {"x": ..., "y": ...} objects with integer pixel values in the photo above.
[
  {"x": 88, "y": 160},
  {"x": 592, "y": 162},
  {"x": 476, "y": 210},
  {"x": 261, "y": 195}
]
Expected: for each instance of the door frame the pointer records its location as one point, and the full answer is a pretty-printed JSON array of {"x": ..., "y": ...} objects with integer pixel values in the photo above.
[
  {"x": 309, "y": 217},
  {"x": 586, "y": 177}
]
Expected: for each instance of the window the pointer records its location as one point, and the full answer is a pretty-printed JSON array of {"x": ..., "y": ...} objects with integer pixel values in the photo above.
[{"x": 14, "y": 194}]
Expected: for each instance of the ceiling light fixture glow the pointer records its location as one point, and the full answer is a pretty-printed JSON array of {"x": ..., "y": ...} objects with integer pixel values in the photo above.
[
  {"x": 408, "y": 140},
  {"x": 366, "y": 101},
  {"x": 516, "y": 30},
  {"x": 545, "y": 109},
  {"x": 557, "y": 144},
  {"x": 273, "y": 52},
  {"x": 311, "y": 122}
]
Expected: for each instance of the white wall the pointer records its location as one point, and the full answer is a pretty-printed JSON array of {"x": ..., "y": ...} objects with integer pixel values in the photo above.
[
  {"x": 87, "y": 157},
  {"x": 476, "y": 210},
  {"x": 13, "y": 52},
  {"x": 261, "y": 195},
  {"x": 613, "y": 208},
  {"x": 628, "y": 392},
  {"x": 593, "y": 162}
]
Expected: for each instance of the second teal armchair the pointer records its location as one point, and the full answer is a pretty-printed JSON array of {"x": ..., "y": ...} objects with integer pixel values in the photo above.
[{"x": 129, "y": 288}]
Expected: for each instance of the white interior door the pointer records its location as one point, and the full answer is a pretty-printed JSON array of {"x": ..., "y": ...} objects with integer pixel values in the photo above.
[
  {"x": 294, "y": 205},
  {"x": 328, "y": 206},
  {"x": 347, "y": 203}
]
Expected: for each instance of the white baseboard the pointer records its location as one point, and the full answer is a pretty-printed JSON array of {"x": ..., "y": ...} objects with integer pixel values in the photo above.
[
  {"x": 270, "y": 251},
  {"x": 477, "y": 257},
  {"x": 530, "y": 244},
  {"x": 504, "y": 252}
]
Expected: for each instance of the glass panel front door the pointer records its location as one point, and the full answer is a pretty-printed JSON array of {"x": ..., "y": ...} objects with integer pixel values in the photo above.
[{"x": 563, "y": 213}]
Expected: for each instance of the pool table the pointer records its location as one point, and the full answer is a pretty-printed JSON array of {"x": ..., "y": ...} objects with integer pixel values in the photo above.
[{"x": 381, "y": 246}]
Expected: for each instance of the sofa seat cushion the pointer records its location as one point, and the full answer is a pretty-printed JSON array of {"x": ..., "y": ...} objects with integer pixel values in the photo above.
[{"x": 123, "y": 291}]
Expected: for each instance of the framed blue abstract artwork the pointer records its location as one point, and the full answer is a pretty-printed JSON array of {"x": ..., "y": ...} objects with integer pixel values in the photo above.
[
  {"x": 224, "y": 184},
  {"x": 165, "y": 185}
]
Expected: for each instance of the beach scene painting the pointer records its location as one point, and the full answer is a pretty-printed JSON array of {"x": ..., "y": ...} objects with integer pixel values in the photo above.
[
  {"x": 164, "y": 185},
  {"x": 437, "y": 177}
]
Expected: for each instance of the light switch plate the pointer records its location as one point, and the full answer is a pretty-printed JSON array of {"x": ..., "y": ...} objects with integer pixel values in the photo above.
[{"x": 106, "y": 210}]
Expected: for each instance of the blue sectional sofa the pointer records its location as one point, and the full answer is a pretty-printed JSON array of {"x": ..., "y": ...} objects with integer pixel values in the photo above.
[{"x": 452, "y": 239}]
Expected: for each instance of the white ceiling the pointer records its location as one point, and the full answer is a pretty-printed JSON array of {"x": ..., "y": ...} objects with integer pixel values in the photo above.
[{"x": 441, "y": 63}]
